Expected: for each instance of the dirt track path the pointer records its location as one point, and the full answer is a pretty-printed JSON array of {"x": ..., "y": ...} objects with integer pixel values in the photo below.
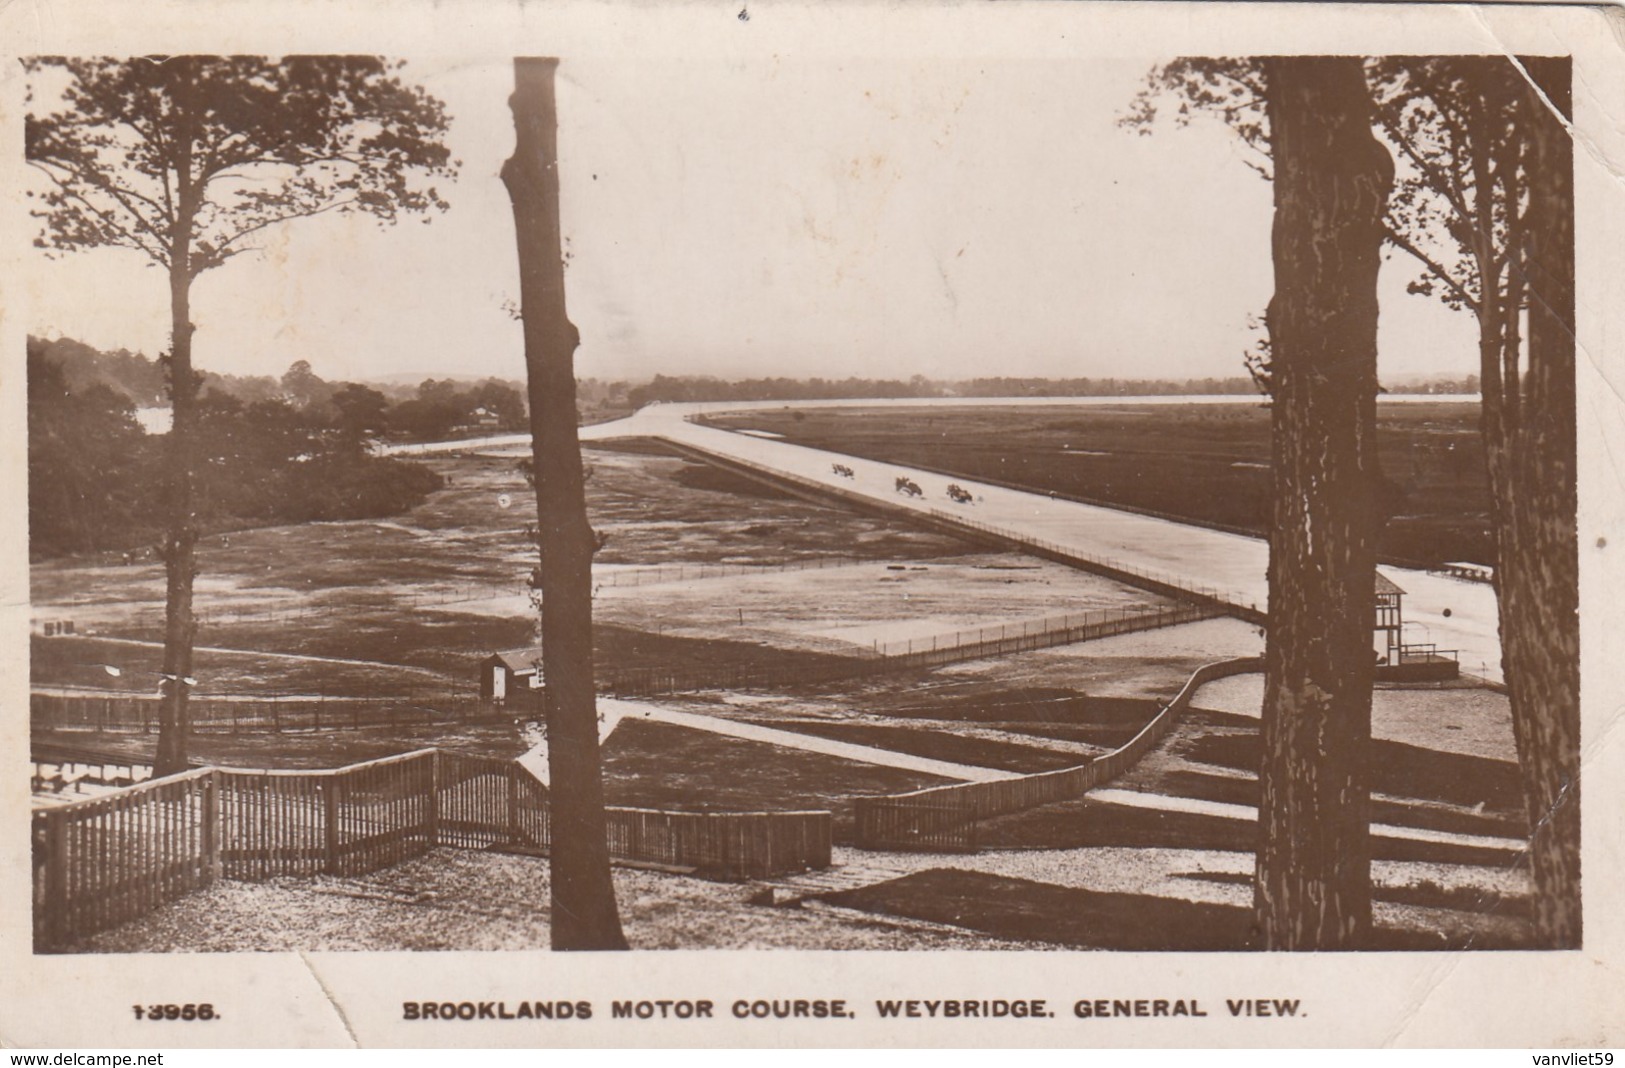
[{"x": 611, "y": 711}]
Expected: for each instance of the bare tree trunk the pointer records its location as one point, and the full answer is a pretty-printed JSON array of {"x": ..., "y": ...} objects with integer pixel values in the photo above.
[
  {"x": 583, "y": 894},
  {"x": 180, "y": 542},
  {"x": 1537, "y": 572},
  {"x": 1332, "y": 178}
]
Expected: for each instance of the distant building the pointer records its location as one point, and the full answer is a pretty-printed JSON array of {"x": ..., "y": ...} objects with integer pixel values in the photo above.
[
  {"x": 1390, "y": 619},
  {"x": 1401, "y": 661},
  {"x": 515, "y": 675}
]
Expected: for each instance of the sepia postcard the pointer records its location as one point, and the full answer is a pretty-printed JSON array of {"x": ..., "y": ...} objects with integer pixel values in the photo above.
[{"x": 771, "y": 523}]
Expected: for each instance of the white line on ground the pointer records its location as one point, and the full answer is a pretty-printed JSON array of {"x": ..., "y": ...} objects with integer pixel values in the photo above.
[
  {"x": 1169, "y": 803},
  {"x": 145, "y": 643},
  {"x": 612, "y": 711}
]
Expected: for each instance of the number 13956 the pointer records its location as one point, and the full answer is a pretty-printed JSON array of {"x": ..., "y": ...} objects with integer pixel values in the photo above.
[{"x": 204, "y": 1011}]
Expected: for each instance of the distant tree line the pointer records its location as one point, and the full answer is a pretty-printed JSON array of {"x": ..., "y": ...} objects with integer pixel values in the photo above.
[
  {"x": 675, "y": 388},
  {"x": 430, "y": 411},
  {"x": 438, "y": 409},
  {"x": 96, "y": 476},
  {"x": 679, "y": 388}
]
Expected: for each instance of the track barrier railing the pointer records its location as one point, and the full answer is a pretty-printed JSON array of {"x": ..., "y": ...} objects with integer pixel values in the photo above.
[{"x": 944, "y": 818}]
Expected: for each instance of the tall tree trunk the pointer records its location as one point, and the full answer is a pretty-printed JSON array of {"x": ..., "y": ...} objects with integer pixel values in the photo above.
[
  {"x": 180, "y": 542},
  {"x": 1533, "y": 468},
  {"x": 1332, "y": 178},
  {"x": 583, "y": 894}
]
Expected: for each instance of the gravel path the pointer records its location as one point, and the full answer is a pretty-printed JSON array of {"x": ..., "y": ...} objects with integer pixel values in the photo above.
[
  {"x": 866, "y": 754},
  {"x": 1158, "y": 872},
  {"x": 452, "y": 899},
  {"x": 1248, "y": 814}
]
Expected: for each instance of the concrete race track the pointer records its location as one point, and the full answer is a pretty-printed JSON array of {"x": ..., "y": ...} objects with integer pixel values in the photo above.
[{"x": 1452, "y": 614}]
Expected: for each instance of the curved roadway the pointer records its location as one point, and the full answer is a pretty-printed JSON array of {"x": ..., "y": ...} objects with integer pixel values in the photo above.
[{"x": 1452, "y": 614}]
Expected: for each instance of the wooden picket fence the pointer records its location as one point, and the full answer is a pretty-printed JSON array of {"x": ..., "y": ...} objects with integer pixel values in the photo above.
[
  {"x": 944, "y": 818},
  {"x": 744, "y": 845},
  {"x": 107, "y": 860}
]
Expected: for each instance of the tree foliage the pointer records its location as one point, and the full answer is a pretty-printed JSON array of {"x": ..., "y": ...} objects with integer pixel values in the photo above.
[
  {"x": 1483, "y": 202},
  {"x": 88, "y": 462},
  {"x": 1455, "y": 124},
  {"x": 185, "y": 160},
  {"x": 217, "y": 149},
  {"x": 96, "y": 478}
]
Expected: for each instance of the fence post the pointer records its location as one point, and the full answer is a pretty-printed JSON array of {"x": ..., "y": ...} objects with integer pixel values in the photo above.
[
  {"x": 330, "y": 814},
  {"x": 211, "y": 827},
  {"x": 56, "y": 872},
  {"x": 513, "y": 802},
  {"x": 434, "y": 798}
]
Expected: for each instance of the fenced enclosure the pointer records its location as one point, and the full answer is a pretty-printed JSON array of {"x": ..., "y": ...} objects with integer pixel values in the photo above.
[
  {"x": 235, "y": 714},
  {"x": 1007, "y": 638},
  {"x": 275, "y": 714},
  {"x": 345, "y": 821},
  {"x": 944, "y": 818},
  {"x": 108, "y": 860},
  {"x": 907, "y": 655}
]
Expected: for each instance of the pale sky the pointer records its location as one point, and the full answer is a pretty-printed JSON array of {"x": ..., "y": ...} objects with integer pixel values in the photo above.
[{"x": 951, "y": 218}]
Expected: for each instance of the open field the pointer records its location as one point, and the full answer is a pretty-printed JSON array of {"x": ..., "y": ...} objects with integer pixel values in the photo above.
[
  {"x": 316, "y": 749},
  {"x": 1451, "y": 718},
  {"x": 435, "y": 590},
  {"x": 416, "y": 602},
  {"x": 659, "y": 765},
  {"x": 1202, "y": 463},
  {"x": 861, "y": 607},
  {"x": 708, "y": 570}
]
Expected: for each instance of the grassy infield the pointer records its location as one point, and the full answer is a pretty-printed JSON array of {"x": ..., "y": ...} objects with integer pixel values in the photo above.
[{"x": 366, "y": 594}]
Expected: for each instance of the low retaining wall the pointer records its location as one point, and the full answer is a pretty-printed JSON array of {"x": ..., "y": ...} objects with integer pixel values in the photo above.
[
  {"x": 1434, "y": 669},
  {"x": 943, "y": 818}
]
